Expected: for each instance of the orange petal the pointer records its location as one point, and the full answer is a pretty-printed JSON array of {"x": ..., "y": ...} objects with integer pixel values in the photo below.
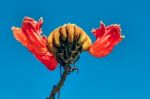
[{"x": 19, "y": 35}]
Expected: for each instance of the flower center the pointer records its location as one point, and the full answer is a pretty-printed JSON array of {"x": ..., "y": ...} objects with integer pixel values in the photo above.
[
  {"x": 68, "y": 53},
  {"x": 67, "y": 42}
]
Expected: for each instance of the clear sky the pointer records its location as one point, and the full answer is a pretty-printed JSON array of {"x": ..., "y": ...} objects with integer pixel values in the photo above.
[{"x": 123, "y": 74}]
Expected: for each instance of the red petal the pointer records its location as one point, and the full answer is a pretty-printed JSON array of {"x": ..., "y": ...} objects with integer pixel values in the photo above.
[
  {"x": 30, "y": 36},
  {"x": 48, "y": 59},
  {"x": 107, "y": 38},
  {"x": 100, "y": 31}
]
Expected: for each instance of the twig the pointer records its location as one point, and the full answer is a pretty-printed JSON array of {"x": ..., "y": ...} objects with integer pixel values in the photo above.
[{"x": 57, "y": 88}]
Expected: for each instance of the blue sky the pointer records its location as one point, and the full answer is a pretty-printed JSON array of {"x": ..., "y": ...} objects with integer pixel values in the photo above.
[{"x": 124, "y": 74}]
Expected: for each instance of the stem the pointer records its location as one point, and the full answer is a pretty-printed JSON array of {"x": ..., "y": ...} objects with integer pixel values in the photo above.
[{"x": 57, "y": 88}]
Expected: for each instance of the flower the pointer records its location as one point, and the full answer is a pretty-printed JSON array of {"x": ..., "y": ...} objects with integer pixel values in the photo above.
[
  {"x": 65, "y": 44},
  {"x": 30, "y": 36},
  {"x": 106, "y": 38}
]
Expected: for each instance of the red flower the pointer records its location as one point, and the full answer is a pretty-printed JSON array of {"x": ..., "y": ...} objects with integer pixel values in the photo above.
[
  {"x": 54, "y": 49},
  {"x": 30, "y": 36},
  {"x": 106, "y": 38}
]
